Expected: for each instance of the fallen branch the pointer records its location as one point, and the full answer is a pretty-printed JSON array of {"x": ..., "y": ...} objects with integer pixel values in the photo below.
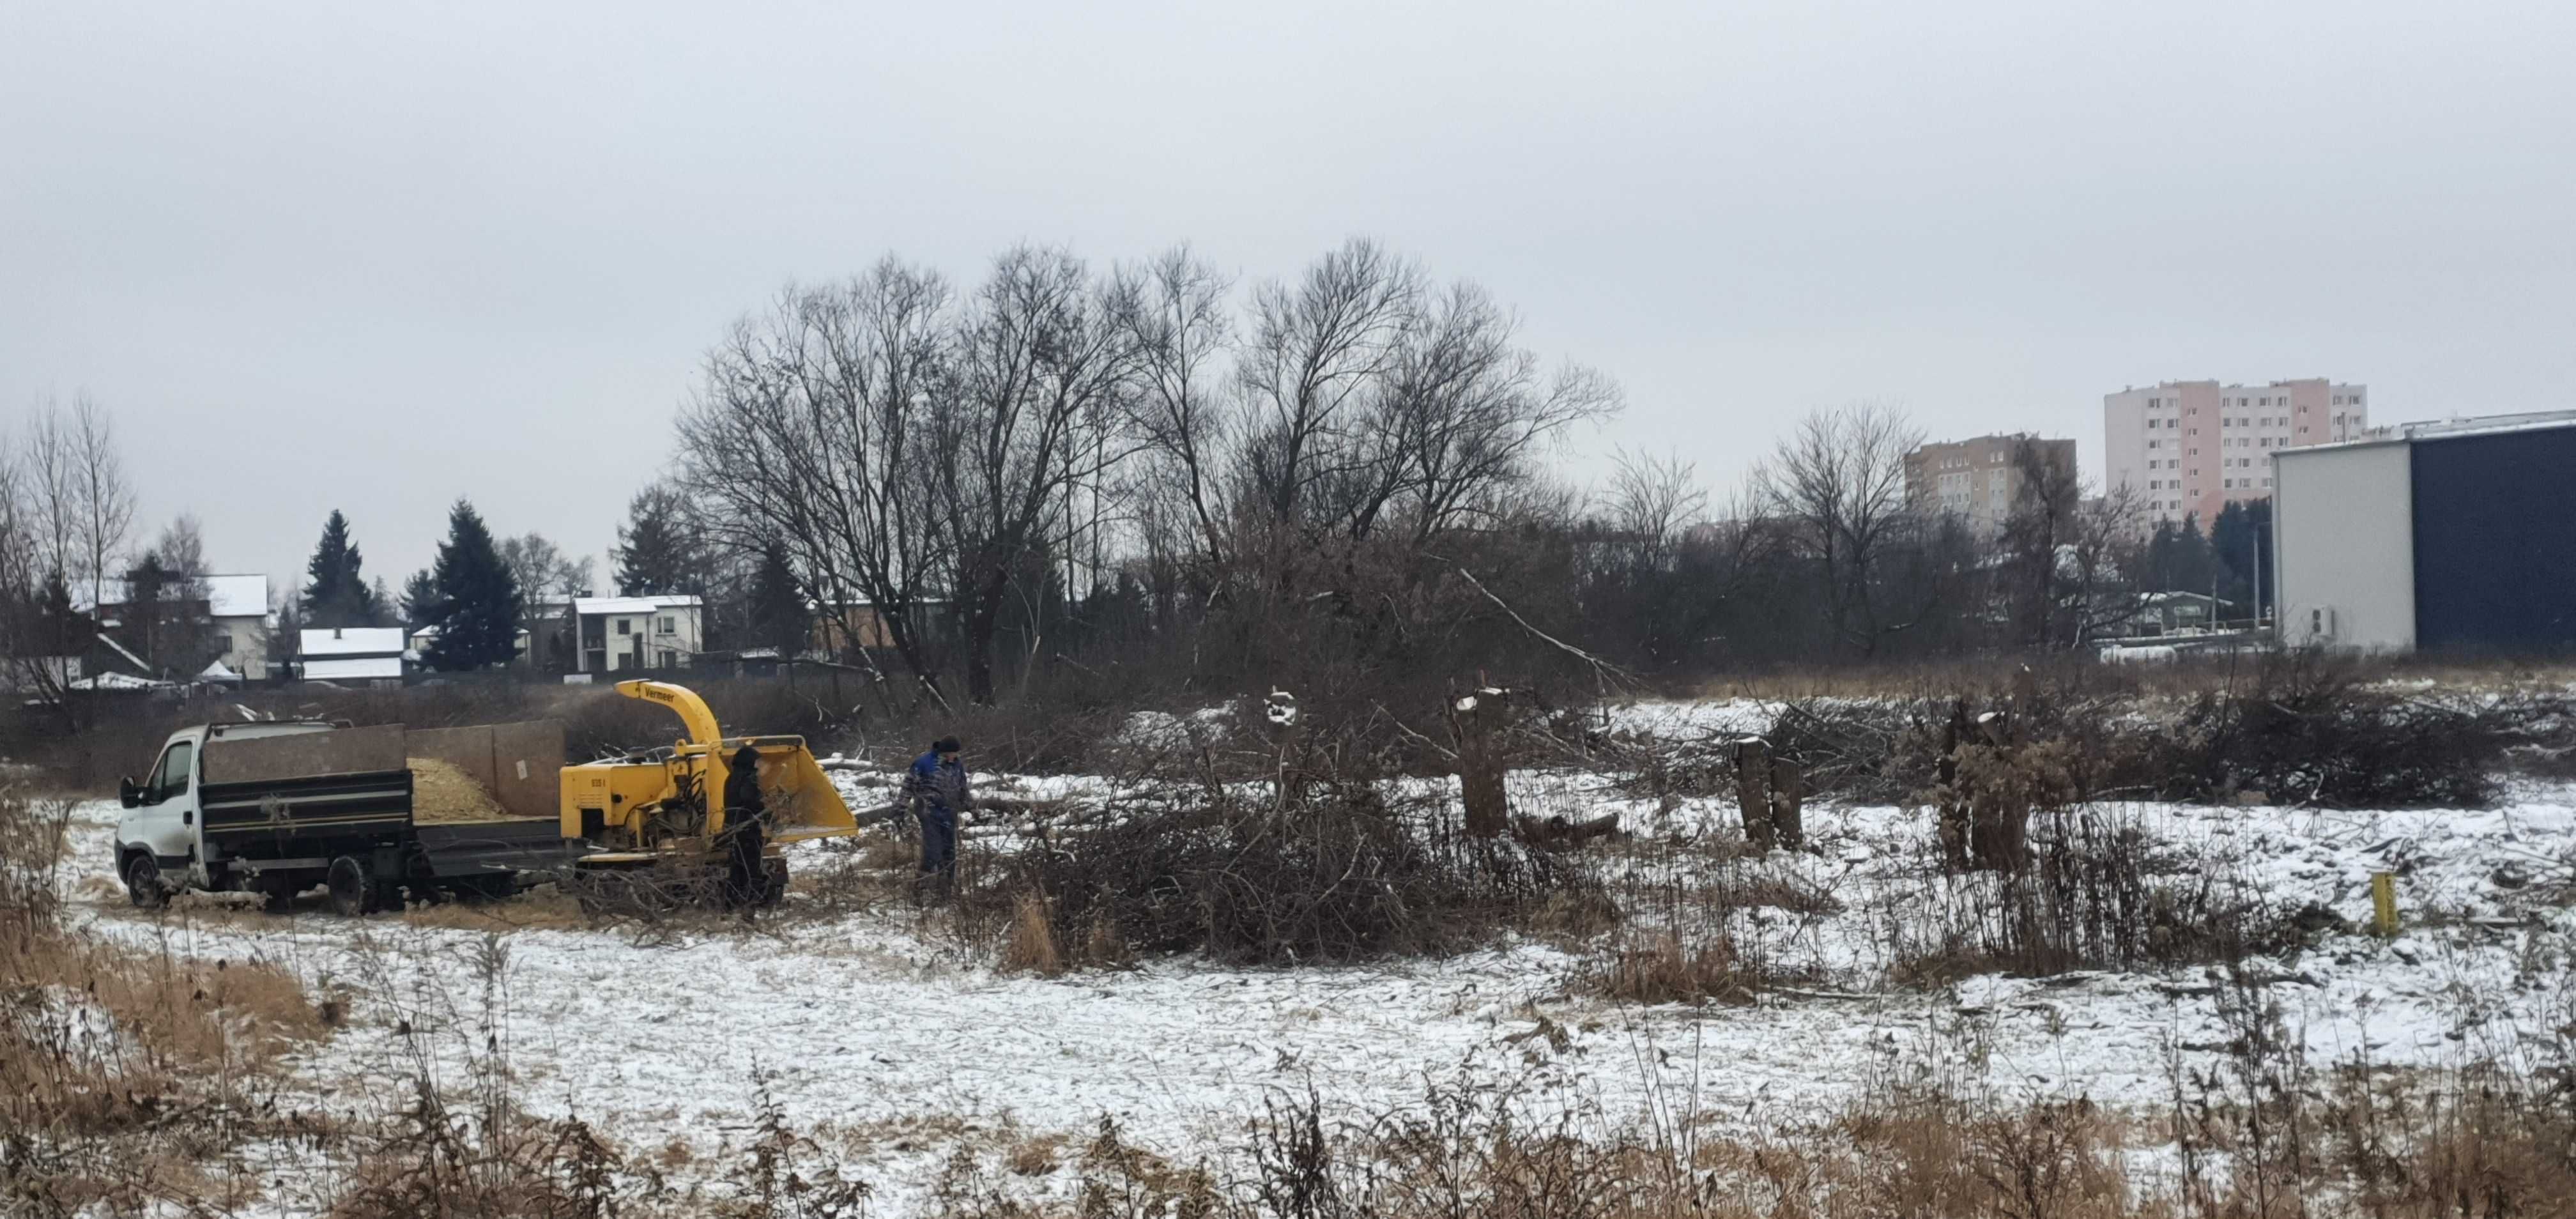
[
  {"x": 1602, "y": 670},
  {"x": 1445, "y": 751}
]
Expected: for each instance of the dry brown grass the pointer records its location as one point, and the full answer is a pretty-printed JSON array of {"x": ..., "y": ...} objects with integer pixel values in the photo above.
[
  {"x": 130, "y": 1073},
  {"x": 544, "y": 908},
  {"x": 1661, "y": 967},
  {"x": 1031, "y": 946},
  {"x": 1035, "y": 1157}
]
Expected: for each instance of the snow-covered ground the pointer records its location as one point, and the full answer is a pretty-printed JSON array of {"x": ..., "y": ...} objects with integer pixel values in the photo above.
[{"x": 874, "y": 1027}]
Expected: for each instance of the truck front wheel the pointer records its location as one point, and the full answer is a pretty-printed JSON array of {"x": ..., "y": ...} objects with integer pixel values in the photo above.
[
  {"x": 143, "y": 883},
  {"x": 349, "y": 887}
]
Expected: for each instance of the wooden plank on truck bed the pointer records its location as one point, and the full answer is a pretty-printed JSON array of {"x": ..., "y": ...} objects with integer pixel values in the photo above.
[
  {"x": 300, "y": 755},
  {"x": 527, "y": 758}
]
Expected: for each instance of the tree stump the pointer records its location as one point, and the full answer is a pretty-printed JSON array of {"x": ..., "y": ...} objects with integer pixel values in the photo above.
[
  {"x": 1788, "y": 799},
  {"x": 1480, "y": 771},
  {"x": 1753, "y": 791}
]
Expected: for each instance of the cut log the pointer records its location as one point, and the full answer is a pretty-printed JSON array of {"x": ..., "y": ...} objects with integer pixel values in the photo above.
[{"x": 1558, "y": 833}]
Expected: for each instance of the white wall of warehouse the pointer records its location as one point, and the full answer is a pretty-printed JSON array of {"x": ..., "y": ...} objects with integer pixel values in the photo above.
[{"x": 2344, "y": 539}]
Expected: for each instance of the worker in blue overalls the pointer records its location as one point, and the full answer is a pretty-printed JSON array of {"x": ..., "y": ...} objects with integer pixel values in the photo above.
[{"x": 939, "y": 793}]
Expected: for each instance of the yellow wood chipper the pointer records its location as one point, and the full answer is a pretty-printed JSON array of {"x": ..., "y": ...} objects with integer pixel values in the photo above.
[{"x": 654, "y": 818}]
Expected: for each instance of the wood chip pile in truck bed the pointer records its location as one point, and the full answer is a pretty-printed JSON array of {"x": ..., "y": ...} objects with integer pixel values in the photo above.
[{"x": 442, "y": 794}]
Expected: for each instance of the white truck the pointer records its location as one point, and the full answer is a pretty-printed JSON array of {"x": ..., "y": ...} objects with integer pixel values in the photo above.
[{"x": 278, "y": 807}]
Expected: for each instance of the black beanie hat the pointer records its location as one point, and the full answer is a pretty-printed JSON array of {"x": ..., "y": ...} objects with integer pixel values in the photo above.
[{"x": 946, "y": 744}]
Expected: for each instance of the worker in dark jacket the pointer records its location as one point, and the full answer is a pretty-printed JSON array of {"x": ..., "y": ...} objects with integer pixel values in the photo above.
[
  {"x": 746, "y": 832},
  {"x": 939, "y": 794}
]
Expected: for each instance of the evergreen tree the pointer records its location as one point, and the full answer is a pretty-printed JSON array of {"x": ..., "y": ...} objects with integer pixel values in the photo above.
[
  {"x": 419, "y": 603},
  {"x": 162, "y": 623},
  {"x": 286, "y": 639},
  {"x": 655, "y": 554},
  {"x": 778, "y": 615},
  {"x": 336, "y": 593},
  {"x": 60, "y": 629},
  {"x": 2241, "y": 540},
  {"x": 478, "y": 618},
  {"x": 2179, "y": 559}
]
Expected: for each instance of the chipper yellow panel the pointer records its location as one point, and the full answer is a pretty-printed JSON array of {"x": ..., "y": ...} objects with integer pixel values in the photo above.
[
  {"x": 802, "y": 801},
  {"x": 601, "y": 796},
  {"x": 661, "y": 801}
]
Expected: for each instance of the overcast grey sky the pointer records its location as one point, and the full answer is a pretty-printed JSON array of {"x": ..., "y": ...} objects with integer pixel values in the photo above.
[{"x": 374, "y": 256}]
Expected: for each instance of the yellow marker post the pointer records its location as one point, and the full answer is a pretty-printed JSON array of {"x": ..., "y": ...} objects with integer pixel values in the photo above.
[{"x": 2383, "y": 902}]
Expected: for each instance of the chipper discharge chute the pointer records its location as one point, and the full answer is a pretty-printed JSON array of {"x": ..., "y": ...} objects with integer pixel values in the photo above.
[{"x": 656, "y": 820}]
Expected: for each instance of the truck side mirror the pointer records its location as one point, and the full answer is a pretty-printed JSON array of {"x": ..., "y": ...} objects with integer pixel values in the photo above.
[{"x": 128, "y": 794}]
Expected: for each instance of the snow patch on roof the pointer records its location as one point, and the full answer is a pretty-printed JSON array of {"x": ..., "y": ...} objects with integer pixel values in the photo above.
[
  {"x": 227, "y": 596},
  {"x": 630, "y": 605},
  {"x": 352, "y": 641},
  {"x": 237, "y": 596}
]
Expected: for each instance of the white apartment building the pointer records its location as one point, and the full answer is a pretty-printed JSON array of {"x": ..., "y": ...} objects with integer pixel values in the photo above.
[
  {"x": 2189, "y": 448},
  {"x": 614, "y": 633}
]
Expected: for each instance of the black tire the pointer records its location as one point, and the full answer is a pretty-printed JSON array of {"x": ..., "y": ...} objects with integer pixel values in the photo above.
[
  {"x": 143, "y": 883},
  {"x": 350, "y": 888}
]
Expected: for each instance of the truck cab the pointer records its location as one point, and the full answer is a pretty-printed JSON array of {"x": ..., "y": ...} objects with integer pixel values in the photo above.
[
  {"x": 158, "y": 847},
  {"x": 270, "y": 807}
]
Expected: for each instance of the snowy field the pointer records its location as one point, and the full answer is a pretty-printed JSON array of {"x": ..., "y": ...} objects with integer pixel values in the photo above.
[{"x": 887, "y": 1039}]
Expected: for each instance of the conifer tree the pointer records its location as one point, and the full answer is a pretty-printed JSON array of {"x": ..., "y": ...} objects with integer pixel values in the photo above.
[
  {"x": 478, "y": 618},
  {"x": 336, "y": 593},
  {"x": 777, "y": 611},
  {"x": 656, "y": 555},
  {"x": 419, "y": 603}
]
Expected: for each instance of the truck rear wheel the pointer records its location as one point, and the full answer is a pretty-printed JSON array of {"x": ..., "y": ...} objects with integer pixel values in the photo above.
[
  {"x": 143, "y": 883},
  {"x": 350, "y": 888}
]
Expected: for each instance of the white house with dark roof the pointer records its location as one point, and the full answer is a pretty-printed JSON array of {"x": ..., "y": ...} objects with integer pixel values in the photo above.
[
  {"x": 617, "y": 633},
  {"x": 236, "y": 605},
  {"x": 353, "y": 655}
]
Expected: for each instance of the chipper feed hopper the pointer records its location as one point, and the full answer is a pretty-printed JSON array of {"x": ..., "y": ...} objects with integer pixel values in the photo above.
[{"x": 657, "y": 814}]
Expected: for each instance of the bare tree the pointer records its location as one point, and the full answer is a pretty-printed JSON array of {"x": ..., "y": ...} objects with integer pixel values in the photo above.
[
  {"x": 810, "y": 427},
  {"x": 166, "y": 617},
  {"x": 1042, "y": 354},
  {"x": 1175, "y": 310},
  {"x": 2039, "y": 523},
  {"x": 1652, "y": 501},
  {"x": 69, "y": 511},
  {"x": 38, "y": 636},
  {"x": 1317, "y": 351},
  {"x": 544, "y": 573},
  {"x": 49, "y": 476},
  {"x": 2105, "y": 561},
  {"x": 1838, "y": 481},
  {"x": 1458, "y": 418},
  {"x": 105, "y": 497},
  {"x": 1635, "y": 590}
]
